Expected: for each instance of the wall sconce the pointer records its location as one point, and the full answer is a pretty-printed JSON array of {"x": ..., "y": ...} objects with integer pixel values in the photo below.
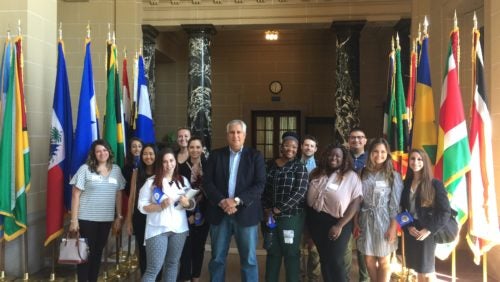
[{"x": 271, "y": 35}]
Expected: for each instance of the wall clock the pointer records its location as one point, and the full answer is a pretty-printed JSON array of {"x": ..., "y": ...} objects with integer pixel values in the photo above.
[{"x": 275, "y": 87}]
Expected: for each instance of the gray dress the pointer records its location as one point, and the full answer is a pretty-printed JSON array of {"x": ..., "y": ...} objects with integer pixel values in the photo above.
[{"x": 380, "y": 205}]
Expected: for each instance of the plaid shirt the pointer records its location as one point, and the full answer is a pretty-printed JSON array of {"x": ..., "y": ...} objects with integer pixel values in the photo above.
[{"x": 286, "y": 187}]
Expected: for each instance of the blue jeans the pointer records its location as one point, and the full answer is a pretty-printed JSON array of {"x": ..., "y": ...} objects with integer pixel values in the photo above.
[{"x": 246, "y": 239}]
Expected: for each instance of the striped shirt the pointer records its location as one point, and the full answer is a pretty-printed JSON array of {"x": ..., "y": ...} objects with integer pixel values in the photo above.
[{"x": 98, "y": 197}]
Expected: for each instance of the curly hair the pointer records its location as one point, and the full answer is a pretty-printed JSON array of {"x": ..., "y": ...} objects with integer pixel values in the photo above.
[
  {"x": 387, "y": 167},
  {"x": 324, "y": 168},
  {"x": 92, "y": 159},
  {"x": 160, "y": 173}
]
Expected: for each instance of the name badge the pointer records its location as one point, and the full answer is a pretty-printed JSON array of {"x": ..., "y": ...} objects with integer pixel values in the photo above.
[
  {"x": 94, "y": 177},
  {"x": 381, "y": 183},
  {"x": 333, "y": 186},
  {"x": 157, "y": 195},
  {"x": 112, "y": 180}
]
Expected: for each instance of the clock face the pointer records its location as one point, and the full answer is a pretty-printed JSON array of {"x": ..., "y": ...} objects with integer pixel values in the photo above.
[{"x": 275, "y": 87}]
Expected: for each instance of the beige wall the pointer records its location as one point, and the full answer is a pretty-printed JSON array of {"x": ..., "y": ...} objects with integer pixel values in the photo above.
[
  {"x": 124, "y": 16},
  {"x": 243, "y": 65}
]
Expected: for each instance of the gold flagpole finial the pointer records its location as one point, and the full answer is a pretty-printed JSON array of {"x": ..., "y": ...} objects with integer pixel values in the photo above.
[
  {"x": 455, "y": 20},
  {"x": 426, "y": 25},
  {"x": 419, "y": 34},
  {"x": 474, "y": 18},
  {"x": 8, "y": 34},
  {"x": 60, "y": 30},
  {"x": 397, "y": 41},
  {"x": 136, "y": 55},
  {"x": 88, "y": 30},
  {"x": 114, "y": 38},
  {"x": 125, "y": 52},
  {"x": 392, "y": 43},
  {"x": 109, "y": 32},
  {"x": 19, "y": 27}
]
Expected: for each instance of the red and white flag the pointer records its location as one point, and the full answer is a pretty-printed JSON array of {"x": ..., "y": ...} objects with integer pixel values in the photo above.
[{"x": 484, "y": 231}]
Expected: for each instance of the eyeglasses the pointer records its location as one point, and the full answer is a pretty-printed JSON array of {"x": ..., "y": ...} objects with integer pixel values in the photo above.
[{"x": 356, "y": 137}]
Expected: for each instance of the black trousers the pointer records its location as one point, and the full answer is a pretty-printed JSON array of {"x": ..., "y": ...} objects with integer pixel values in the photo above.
[
  {"x": 193, "y": 252},
  {"x": 96, "y": 234},
  {"x": 331, "y": 252},
  {"x": 139, "y": 224}
]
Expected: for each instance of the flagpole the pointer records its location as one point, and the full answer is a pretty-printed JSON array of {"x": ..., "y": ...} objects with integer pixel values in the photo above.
[
  {"x": 485, "y": 267},
  {"x": 2, "y": 260},
  {"x": 25, "y": 254},
  {"x": 25, "y": 234},
  {"x": 454, "y": 265},
  {"x": 53, "y": 266}
]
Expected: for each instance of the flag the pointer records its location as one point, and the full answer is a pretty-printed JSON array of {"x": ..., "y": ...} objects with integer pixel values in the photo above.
[
  {"x": 390, "y": 92},
  {"x": 397, "y": 122},
  {"x": 144, "y": 123},
  {"x": 6, "y": 66},
  {"x": 4, "y": 80},
  {"x": 483, "y": 218},
  {"x": 114, "y": 129},
  {"x": 127, "y": 102},
  {"x": 453, "y": 156},
  {"x": 87, "y": 123},
  {"x": 61, "y": 142},
  {"x": 410, "y": 95},
  {"x": 424, "y": 122},
  {"x": 14, "y": 151}
]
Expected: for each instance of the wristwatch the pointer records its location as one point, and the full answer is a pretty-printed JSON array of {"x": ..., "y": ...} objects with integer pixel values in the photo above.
[{"x": 237, "y": 200}]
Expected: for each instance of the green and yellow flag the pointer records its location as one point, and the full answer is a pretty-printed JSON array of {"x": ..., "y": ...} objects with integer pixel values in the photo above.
[
  {"x": 114, "y": 128},
  {"x": 15, "y": 172}
]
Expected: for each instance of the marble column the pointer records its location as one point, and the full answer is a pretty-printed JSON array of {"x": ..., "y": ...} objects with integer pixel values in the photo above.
[
  {"x": 200, "y": 83},
  {"x": 149, "y": 34},
  {"x": 347, "y": 90}
]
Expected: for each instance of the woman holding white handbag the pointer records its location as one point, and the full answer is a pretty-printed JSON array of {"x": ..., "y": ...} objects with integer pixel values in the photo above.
[{"x": 96, "y": 198}]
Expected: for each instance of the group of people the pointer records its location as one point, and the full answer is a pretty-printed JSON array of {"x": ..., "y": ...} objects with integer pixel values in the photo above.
[
  {"x": 176, "y": 198},
  {"x": 349, "y": 194}
]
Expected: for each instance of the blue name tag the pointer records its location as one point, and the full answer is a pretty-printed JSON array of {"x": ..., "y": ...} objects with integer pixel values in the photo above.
[{"x": 404, "y": 218}]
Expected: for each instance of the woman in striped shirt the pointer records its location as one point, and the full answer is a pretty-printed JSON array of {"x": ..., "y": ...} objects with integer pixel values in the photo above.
[{"x": 96, "y": 196}]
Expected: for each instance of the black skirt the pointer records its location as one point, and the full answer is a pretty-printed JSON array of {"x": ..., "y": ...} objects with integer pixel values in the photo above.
[{"x": 419, "y": 254}]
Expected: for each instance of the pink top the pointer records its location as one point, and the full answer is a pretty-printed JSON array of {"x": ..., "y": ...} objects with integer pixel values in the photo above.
[{"x": 333, "y": 196}]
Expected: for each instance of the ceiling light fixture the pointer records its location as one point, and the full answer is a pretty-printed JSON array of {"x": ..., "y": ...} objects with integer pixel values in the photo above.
[{"x": 271, "y": 35}]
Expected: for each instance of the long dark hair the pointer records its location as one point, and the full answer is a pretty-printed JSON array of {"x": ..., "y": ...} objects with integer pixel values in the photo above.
[
  {"x": 91, "y": 158},
  {"x": 197, "y": 138},
  {"x": 427, "y": 192},
  {"x": 158, "y": 181},
  {"x": 324, "y": 168},
  {"x": 387, "y": 167},
  {"x": 129, "y": 159},
  {"x": 141, "y": 171}
]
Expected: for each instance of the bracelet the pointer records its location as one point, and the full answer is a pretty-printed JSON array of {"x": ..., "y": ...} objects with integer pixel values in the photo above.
[
  {"x": 119, "y": 216},
  {"x": 74, "y": 220}
]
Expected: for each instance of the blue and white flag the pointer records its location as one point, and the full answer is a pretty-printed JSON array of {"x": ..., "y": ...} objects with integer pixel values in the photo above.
[
  {"x": 144, "y": 127},
  {"x": 87, "y": 124}
]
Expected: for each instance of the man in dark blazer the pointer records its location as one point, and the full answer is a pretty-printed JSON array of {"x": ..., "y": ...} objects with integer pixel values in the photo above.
[{"x": 234, "y": 180}]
